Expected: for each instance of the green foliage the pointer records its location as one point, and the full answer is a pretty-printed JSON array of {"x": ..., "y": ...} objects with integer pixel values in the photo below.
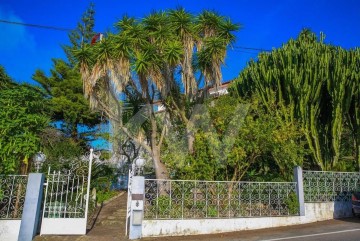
[
  {"x": 102, "y": 183},
  {"x": 103, "y": 195},
  {"x": 70, "y": 110},
  {"x": 212, "y": 212},
  {"x": 68, "y": 104},
  {"x": 167, "y": 208},
  {"x": 5, "y": 80},
  {"x": 144, "y": 58},
  {"x": 202, "y": 165},
  {"x": 251, "y": 150},
  {"x": 292, "y": 203},
  {"x": 164, "y": 203},
  {"x": 101, "y": 179},
  {"x": 60, "y": 150},
  {"x": 23, "y": 116},
  {"x": 319, "y": 84},
  {"x": 82, "y": 34},
  {"x": 102, "y": 176}
]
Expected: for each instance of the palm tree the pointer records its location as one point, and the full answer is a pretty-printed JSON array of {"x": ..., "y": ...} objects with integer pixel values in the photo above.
[
  {"x": 182, "y": 24},
  {"x": 145, "y": 56},
  {"x": 217, "y": 35}
]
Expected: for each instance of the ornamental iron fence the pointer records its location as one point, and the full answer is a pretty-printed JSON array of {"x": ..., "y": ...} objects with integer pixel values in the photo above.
[
  {"x": 190, "y": 199},
  {"x": 12, "y": 196},
  {"x": 322, "y": 186}
]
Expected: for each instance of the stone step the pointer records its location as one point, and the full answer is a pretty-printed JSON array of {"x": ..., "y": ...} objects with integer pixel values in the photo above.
[{"x": 109, "y": 225}]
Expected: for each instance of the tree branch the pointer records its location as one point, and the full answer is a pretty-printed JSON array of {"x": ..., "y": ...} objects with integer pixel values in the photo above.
[{"x": 162, "y": 133}]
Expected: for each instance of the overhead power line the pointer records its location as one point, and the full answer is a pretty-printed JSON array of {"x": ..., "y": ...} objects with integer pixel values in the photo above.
[
  {"x": 236, "y": 48},
  {"x": 35, "y": 25},
  {"x": 250, "y": 48}
]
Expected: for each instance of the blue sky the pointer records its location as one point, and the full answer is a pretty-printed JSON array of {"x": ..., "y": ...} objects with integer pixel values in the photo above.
[{"x": 266, "y": 24}]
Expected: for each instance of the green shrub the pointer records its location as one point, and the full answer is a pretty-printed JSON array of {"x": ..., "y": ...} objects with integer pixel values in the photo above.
[
  {"x": 166, "y": 208},
  {"x": 292, "y": 204},
  {"x": 102, "y": 183},
  {"x": 103, "y": 195},
  {"x": 176, "y": 212},
  {"x": 163, "y": 203},
  {"x": 212, "y": 212}
]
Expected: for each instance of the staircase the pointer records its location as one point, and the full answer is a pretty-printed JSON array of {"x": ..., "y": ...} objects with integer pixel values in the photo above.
[{"x": 109, "y": 225}]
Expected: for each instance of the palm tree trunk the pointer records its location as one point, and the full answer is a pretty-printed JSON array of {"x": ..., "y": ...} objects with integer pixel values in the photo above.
[
  {"x": 190, "y": 140},
  {"x": 160, "y": 168}
]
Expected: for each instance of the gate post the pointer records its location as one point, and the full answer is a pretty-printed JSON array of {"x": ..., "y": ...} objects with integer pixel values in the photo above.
[
  {"x": 137, "y": 207},
  {"x": 32, "y": 205},
  {"x": 298, "y": 178},
  {"x": 91, "y": 157}
]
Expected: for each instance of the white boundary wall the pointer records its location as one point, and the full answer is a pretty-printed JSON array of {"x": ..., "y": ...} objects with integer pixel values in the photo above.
[
  {"x": 313, "y": 212},
  {"x": 9, "y": 230},
  {"x": 63, "y": 226}
]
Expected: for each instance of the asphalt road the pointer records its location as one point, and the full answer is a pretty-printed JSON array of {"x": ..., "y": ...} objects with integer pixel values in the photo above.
[{"x": 333, "y": 230}]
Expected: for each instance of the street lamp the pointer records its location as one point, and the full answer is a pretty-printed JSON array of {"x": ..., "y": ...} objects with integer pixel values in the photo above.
[
  {"x": 139, "y": 163},
  {"x": 39, "y": 159}
]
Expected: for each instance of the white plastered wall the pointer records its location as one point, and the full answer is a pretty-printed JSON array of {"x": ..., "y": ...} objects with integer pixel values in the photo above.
[
  {"x": 9, "y": 230},
  {"x": 313, "y": 212}
]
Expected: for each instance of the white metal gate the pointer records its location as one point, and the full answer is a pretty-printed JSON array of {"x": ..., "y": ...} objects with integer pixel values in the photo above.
[
  {"x": 128, "y": 208},
  {"x": 67, "y": 200}
]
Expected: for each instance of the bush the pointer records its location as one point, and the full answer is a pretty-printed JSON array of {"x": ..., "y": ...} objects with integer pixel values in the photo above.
[
  {"x": 212, "y": 212},
  {"x": 292, "y": 204},
  {"x": 104, "y": 195},
  {"x": 167, "y": 208},
  {"x": 163, "y": 205}
]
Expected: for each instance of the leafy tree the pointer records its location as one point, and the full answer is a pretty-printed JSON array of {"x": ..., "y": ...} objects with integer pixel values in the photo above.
[
  {"x": 58, "y": 149},
  {"x": 5, "y": 80},
  {"x": 319, "y": 83},
  {"x": 82, "y": 34},
  {"x": 67, "y": 102},
  {"x": 261, "y": 149},
  {"x": 23, "y": 116},
  {"x": 64, "y": 86},
  {"x": 146, "y": 56}
]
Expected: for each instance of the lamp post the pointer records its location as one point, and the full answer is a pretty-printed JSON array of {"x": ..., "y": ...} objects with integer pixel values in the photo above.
[
  {"x": 139, "y": 164},
  {"x": 39, "y": 159}
]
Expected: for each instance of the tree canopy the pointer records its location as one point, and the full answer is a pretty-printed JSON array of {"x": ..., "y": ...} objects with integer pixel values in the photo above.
[
  {"x": 23, "y": 116},
  {"x": 69, "y": 107},
  {"x": 242, "y": 142},
  {"x": 65, "y": 88},
  {"x": 169, "y": 57}
]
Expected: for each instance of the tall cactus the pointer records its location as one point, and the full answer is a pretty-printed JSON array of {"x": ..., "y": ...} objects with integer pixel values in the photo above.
[
  {"x": 318, "y": 82},
  {"x": 353, "y": 115}
]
